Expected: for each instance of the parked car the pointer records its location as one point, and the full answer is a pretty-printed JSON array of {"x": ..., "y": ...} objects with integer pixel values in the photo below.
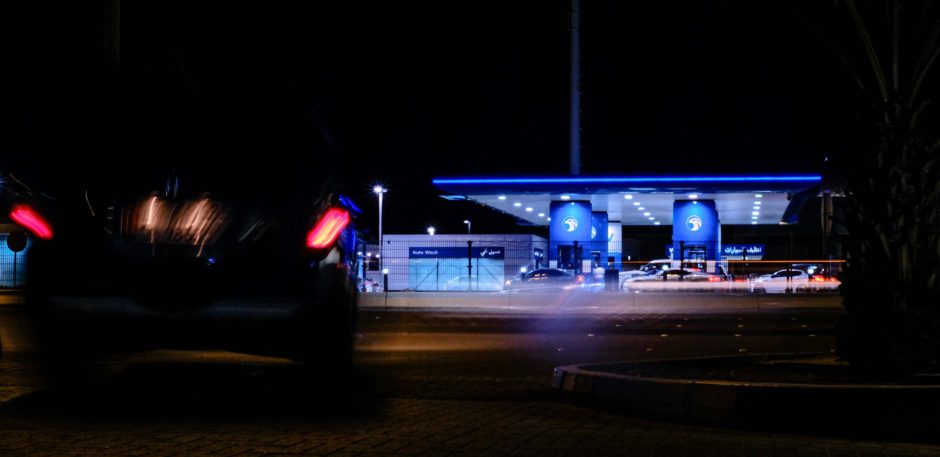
[
  {"x": 235, "y": 267},
  {"x": 545, "y": 278}
]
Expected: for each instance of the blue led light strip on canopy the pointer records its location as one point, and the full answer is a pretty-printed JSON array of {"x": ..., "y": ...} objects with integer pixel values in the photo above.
[{"x": 624, "y": 180}]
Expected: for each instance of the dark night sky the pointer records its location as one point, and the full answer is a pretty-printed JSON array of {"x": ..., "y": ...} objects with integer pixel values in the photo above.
[{"x": 405, "y": 91}]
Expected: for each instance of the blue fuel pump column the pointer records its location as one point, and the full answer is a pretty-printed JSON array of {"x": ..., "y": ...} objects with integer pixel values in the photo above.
[
  {"x": 696, "y": 233},
  {"x": 569, "y": 246},
  {"x": 599, "y": 243}
]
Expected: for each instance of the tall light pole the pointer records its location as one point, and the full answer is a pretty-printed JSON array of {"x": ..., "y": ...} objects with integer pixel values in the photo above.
[
  {"x": 574, "y": 129},
  {"x": 380, "y": 191},
  {"x": 467, "y": 221}
]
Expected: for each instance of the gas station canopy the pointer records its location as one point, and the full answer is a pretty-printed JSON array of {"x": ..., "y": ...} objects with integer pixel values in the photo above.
[{"x": 640, "y": 200}]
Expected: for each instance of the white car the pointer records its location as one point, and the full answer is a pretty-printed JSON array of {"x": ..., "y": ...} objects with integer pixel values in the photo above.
[
  {"x": 674, "y": 280},
  {"x": 650, "y": 268},
  {"x": 793, "y": 280}
]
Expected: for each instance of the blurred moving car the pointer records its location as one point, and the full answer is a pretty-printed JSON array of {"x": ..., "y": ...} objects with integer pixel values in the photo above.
[
  {"x": 814, "y": 270},
  {"x": 794, "y": 280},
  {"x": 471, "y": 283},
  {"x": 650, "y": 268},
  {"x": 544, "y": 278},
  {"x": 675, "y": 279},
  {"x": 269, "y": 271}
]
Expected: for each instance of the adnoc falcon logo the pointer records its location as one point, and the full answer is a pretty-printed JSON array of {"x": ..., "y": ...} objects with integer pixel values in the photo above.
[
  {"x": 570, "y": 223},
  {"x": 693, "y": 223}
]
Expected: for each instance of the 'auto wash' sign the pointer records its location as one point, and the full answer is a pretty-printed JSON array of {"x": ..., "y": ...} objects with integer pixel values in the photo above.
[
  {"x": 742, "y": 251},
  {"x": 481, "y": 252}
]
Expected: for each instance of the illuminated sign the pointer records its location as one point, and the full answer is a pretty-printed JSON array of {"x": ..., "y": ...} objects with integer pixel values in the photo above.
[
  {"x": 693, "y": 223},
  {"x": 742, "y": 251},
  {"x": 570, "y": 223},
  {"x": 455, "y": 253}
]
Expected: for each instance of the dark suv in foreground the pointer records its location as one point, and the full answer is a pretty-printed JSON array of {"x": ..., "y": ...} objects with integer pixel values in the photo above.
[{"x": 127, "y": 269}]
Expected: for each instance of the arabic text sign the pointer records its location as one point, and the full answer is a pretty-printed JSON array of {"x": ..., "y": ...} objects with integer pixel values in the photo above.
[
  {"x": 482, "y": 252},
  {"x": 742, "y": 251}
]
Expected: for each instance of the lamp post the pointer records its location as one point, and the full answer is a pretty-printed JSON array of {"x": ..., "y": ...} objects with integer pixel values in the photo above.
[
  {"x": 467, "y": 221},
  {"x": 380, "y": 191}
]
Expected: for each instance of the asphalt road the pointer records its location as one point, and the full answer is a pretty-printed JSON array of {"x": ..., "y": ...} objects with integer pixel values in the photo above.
[{"x": 445, "y": 383}]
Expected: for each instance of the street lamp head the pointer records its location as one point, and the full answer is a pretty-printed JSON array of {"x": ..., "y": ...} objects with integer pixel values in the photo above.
[
  {"x": 378, "y": 189},
  {"x": 431, "y": 231},
  {"x": 466, "y": 221}
]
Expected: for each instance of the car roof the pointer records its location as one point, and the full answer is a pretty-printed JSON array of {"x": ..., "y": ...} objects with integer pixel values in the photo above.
[{"x": 537, "y": 270}]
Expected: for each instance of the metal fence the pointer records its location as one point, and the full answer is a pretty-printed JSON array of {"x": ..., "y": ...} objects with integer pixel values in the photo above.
[
  {"x": 443, "y": 263},
  {"x": 451, "y": 262}
]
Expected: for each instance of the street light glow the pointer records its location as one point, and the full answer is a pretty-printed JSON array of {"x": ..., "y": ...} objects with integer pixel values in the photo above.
[{"x": 380, "y": 190}]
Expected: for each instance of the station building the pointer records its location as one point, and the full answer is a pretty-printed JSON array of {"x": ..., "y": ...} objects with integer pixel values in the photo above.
[{"x": 422, "y": 262}]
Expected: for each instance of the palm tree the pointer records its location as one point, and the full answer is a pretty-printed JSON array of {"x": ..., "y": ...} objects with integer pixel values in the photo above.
[{"x": 891, "y": 282}]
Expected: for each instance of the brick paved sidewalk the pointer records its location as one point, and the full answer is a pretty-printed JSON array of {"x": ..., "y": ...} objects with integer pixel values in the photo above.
[{"x": 424, "y": 427}]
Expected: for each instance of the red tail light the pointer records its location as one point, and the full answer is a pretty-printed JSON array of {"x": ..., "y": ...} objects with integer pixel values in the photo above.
[
  {"x": 328, "y": 228},
  {"x": 714, "y": 279},
  {"x": 820, "y": 279},
  {"x": 32, "y": 221}
]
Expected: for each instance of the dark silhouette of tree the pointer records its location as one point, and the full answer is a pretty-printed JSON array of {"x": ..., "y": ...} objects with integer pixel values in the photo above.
[{"x": 891, "y": 280}]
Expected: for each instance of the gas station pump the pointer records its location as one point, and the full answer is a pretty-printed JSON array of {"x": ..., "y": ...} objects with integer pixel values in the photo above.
[{"x": 569, "y": 257}]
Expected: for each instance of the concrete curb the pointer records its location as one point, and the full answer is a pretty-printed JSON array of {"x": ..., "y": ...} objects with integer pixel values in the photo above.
[{"x": 888, "y": 411}]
